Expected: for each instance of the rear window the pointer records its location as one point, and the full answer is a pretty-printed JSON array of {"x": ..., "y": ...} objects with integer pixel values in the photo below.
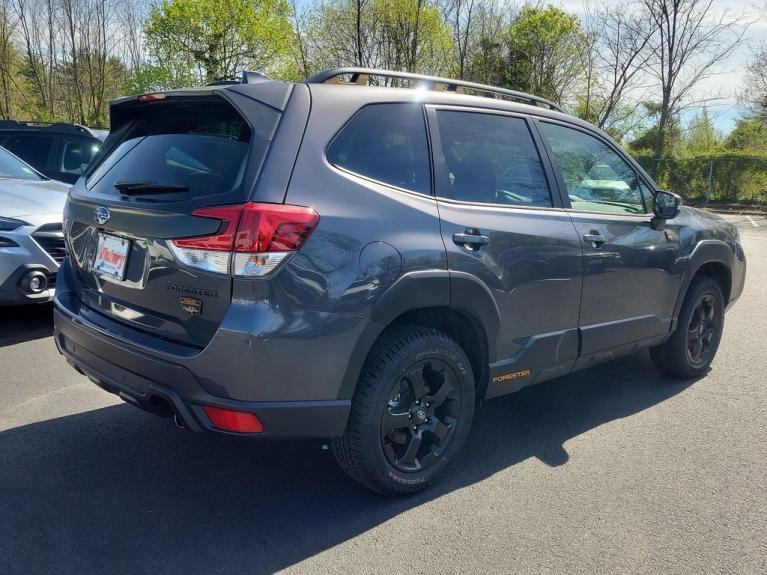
[
  {"x": 200, "y": 144},
  {"x": 386, "y": 143}
]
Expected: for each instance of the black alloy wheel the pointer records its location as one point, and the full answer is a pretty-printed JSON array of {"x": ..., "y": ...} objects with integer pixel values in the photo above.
[
  {"x": 420, "y": 415},
  {"x": 703, "y": 329},
  {"x": 691, "y": 347},
  {"x": 411, "y": 412}
]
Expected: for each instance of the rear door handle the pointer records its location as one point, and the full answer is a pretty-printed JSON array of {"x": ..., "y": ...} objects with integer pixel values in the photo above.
[
  {"x": 595, "y": 239},
  {"x": 471, "y": 239}
]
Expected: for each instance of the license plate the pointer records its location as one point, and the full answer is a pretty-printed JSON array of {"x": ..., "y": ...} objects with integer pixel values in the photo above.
[{"x": 111, "y": 256}]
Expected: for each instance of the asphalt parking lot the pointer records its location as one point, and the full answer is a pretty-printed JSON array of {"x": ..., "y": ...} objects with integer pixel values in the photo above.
[{"x": 616, "y": 469}]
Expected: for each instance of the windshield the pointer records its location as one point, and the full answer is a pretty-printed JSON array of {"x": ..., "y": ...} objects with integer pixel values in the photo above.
[
  {"x": 197, "y": 146},
  {"x": 14, "y": 168}
]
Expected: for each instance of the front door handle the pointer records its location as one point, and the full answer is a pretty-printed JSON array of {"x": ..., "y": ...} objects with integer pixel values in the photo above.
[
  {"x": 595, "y": 238},
  {"x": 471, "y": 239}
]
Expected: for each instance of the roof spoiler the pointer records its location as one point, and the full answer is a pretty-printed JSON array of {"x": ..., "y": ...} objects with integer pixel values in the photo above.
[{"x": 247, "y": 77}]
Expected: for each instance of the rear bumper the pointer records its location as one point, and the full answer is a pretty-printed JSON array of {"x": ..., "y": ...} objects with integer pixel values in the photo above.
[
  {"x": 170, "y": 380},
  {"x": 167, "y": 389}
]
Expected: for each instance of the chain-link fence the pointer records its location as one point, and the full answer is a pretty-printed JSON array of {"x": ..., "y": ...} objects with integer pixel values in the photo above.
[{"x": 732, "y": 180}]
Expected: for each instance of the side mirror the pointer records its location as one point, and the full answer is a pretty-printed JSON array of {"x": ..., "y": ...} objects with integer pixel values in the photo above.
[{"x": 666, "y": 205}]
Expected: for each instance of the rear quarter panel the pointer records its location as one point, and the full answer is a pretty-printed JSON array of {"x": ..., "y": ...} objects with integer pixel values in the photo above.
[{"x": 369, "y": 233}]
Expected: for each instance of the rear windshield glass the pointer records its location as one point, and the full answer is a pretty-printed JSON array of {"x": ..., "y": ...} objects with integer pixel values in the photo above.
[
  {"x": 201, "y": 145},
  {"x": 12, "y": 167}
]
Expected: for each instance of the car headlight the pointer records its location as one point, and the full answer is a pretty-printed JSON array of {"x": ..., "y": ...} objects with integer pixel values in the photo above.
[{"x": 10, "y": 224}]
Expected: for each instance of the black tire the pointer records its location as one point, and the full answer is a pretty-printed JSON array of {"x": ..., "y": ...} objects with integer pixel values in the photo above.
[
  {"x": 405, "y": 359},
  {"x": 677, "y": 356}
]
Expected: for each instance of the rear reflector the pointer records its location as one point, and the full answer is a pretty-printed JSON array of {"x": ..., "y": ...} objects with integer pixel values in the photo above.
[
  {"x": 230, "y": 420},
  {"x": 255, "y": 237}
]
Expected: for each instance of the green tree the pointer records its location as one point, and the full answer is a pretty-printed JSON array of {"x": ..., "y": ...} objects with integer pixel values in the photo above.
[
  {"x": 488, "y": 58},
  {"x": 749, "y": 135},
  {"x": 408, "y": 35},
  {"x": 414, "y": 37},
  {"x": 701, "y": 134},
  {"x": 545, "y": 52},
  {"x": 690, "y": 44},
  {"x": 199, "y": 41},
  {"x": 645, "y": 138},
  {"x": 756, "y": 85}
]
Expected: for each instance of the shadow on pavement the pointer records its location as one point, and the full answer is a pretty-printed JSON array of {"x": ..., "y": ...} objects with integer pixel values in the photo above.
[
  {"x": 118, "y": 491},
  {"x": 25, "y": 323}
]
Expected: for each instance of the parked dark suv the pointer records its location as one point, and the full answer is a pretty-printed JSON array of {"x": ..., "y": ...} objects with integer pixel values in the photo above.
[
  {"x": 59, "y": 151},
  {"x": 339, "y": 260}
]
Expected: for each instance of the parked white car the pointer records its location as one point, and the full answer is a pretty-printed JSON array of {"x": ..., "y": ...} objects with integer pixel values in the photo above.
[
  {"x": 602, "y": 184},
  {"x": 31, "y": 238}
]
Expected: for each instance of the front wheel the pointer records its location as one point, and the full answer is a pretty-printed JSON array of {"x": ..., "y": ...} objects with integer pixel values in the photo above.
[
  {"x": 411, "y": 413},
  {"x": 688, "y": 353}
]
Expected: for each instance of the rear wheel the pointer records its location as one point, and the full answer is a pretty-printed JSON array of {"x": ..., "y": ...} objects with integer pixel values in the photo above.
[
  {"x": 689, "y": 351},
  {"x": 411, "y": 413}
]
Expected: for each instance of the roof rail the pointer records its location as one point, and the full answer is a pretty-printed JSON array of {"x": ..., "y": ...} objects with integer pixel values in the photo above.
[
  {"x": 361, "y": 76},
  {"x": 60, "y": 126}
]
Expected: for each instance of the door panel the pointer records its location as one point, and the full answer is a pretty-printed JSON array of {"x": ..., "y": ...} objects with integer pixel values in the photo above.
[
  {"x": 629, "y": 282},
  {"x": 631, "y": 271},
  {"x": 499, "y": 224}
]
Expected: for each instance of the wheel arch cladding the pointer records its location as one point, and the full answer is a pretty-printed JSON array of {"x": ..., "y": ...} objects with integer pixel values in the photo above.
[
  {"x": 720, "y": 273},
  {"x": 713, "y": 258},
  {"x": 464, "y": 310}
]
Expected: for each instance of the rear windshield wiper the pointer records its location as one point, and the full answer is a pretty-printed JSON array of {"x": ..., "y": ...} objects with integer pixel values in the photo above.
[{"x": 135, "y": 188}]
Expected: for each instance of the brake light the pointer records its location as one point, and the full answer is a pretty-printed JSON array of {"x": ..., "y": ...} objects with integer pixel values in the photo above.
[
  {"x": 230, "y": 420},
  {"x": 151, "y": 97},
  {"x": 252, "y": 241}
]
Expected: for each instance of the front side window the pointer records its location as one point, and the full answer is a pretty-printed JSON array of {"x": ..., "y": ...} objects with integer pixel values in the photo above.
[
  {"x": 386, "y": 143},
  {"x": 490, "y": 159},
  {"x": 597, "y": 179}
]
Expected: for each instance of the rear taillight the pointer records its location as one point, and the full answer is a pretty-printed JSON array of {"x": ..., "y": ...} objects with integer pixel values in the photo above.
[{"x": 252, "y": 241}]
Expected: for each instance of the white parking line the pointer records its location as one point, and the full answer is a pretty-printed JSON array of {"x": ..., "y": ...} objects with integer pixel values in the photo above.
[{"x": 753, "y": 223}]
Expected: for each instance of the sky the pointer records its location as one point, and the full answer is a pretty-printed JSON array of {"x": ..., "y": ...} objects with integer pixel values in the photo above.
[{"x": 725, "y": 85}]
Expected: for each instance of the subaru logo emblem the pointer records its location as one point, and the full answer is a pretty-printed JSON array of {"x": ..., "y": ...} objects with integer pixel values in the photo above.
[{"x": 102, "y": 215}]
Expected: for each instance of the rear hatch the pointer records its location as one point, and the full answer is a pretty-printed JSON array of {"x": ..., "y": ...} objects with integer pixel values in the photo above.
[{"x": 168, "y": 155}]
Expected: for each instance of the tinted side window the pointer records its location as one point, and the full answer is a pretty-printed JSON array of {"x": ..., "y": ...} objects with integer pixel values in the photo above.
[
  {"x": 490, "y": 159},
  {"x": 76, "y": 154},
  {"x": 32, "y": 148},
  {"x": 597, "y": 179},
  {"x": 386, "y": 143}
]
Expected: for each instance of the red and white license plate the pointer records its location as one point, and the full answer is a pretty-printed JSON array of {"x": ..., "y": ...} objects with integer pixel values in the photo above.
[{"x": 111, "y": 256}]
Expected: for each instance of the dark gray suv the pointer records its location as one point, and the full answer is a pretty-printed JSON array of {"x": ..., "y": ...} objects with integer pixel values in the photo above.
[{"x": 344, "y": 258}]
